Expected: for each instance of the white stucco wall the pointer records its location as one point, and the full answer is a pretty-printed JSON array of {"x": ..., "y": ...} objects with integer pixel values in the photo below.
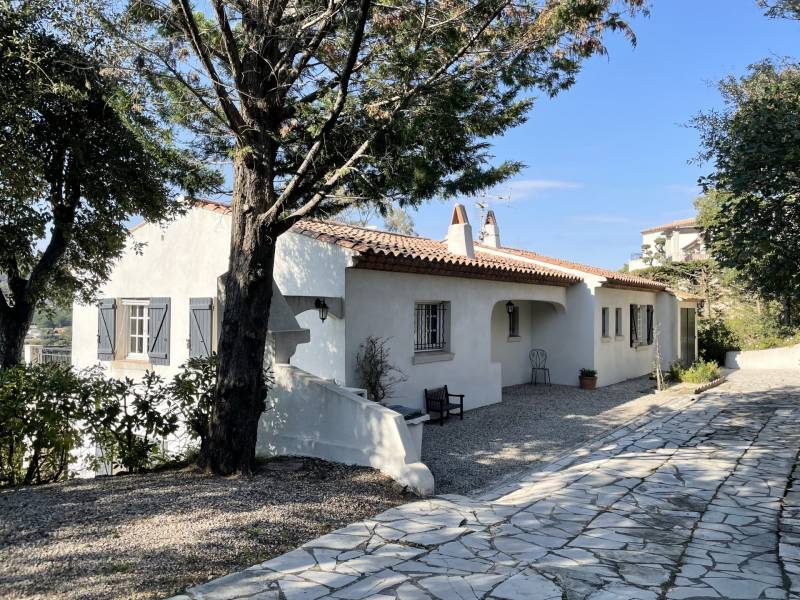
[
  {"x": 615, "y": 360},
  {"x": 181, "y": 260},
  {"x": 512, "y": 352},
  {"x": 382, "y": 304},
  {"x": 773, "y": 358},
  {"x": 307, "y": 267},
  {"x": 308, "y": 416},
  {"x": 184, "y": 259}
]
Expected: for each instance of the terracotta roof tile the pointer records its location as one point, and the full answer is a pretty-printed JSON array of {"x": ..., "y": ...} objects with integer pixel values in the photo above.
[
  {"x": 392, "y": 251},
  {"x": 613, "y": 278},
  {"x": 673, "y": 225},
  {"x": 212, "y": 205}
]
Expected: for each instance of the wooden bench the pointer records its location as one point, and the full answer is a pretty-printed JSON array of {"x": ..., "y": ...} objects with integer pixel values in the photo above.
[{"x": 438, "y": 400}]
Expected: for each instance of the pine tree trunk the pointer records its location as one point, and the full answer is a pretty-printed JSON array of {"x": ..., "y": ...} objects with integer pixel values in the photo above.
[
  {"x": 241, "y": 390},
  {"x": 14, "y": 324}
]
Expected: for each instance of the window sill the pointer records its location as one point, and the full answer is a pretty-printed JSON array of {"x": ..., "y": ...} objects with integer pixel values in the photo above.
[
  {"x": 514, "y": 338},
  {"x": 641, "y": 347},
  {"x": 423, "y": 358},
  {"x": 605, "y": 339},
  {"x": 619, "y": 337},
  {"x": 130, "y": 362}
]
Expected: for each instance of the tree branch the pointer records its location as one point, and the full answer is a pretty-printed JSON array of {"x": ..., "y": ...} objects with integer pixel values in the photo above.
[
  {"x": 235, "y": 120},
  {"x": 332, "y": 181},
  {"x": 344, "y": 81},
  {"x": 228, "y": 41}
]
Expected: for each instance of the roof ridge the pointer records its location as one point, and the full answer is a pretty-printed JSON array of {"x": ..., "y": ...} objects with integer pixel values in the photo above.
[
  {"x": 672, "y": 225},
  {"x": 364, "y": 228},
  {"x": 576, "y": 266}
]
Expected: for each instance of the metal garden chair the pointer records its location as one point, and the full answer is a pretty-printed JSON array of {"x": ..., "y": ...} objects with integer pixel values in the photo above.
[{"x": 539, "y": 365}]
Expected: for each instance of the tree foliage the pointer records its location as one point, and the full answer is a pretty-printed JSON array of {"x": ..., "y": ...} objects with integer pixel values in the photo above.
[
  {"x": 81, "y": 153},
  {"x": 50, "y": 411},
  {"x": 399, "y": 221},
  {"x": 363, "y": 100},
  {"x": 751, "y": 211},
  {"x": 322, "y": 104},
  {"x": 787, "y": 9}
]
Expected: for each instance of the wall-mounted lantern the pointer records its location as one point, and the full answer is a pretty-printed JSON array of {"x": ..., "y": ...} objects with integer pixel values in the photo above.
[
  {"x": 322, "y": 307},
  {"x": 510, "y": 307}
]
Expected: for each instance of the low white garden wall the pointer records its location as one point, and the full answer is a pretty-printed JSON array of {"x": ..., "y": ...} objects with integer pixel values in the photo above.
[
  {"x": 310, "y": 416},
  {"x": 774, "y": 358}
]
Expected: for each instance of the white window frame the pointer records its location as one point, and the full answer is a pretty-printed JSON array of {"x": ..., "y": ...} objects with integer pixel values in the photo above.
[
  {"x": 431, "y": 326},
  {"x": 605, "y": 322},
  {"x": 618, "y": 317},
  {"x": 129, "y": 304}
]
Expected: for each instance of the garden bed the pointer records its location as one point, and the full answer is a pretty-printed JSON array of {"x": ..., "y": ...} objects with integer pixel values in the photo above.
[{"x": 150, "y": 536}]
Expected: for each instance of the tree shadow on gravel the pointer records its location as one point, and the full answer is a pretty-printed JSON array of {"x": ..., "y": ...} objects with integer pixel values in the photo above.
[
  {"x": 534, "y": 424},
  {"x": 144, "y": 536}
]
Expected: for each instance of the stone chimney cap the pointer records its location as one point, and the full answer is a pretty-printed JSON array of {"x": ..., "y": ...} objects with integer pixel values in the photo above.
[{"x": 459, "y": 215}]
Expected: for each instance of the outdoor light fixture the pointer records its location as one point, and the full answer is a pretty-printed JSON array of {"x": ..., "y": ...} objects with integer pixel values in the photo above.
[
  {"x": 322, "y": 307},
  {"x": 509, "y": 307}
]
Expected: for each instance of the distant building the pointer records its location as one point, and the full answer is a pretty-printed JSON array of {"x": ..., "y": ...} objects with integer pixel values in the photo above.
[{"x": 679, "y": 241}]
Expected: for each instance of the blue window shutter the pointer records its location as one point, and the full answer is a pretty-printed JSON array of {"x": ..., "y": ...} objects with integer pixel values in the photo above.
[
  {"x": 158, "y": 331},
  {"x": 106, "y": 328},
  {"x": 200, "y": 326}
]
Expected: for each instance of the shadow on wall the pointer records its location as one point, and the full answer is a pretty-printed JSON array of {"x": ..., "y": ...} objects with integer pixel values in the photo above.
[
  {"x": 304, "y": 266},
  {"x": 309, "y": 416}
]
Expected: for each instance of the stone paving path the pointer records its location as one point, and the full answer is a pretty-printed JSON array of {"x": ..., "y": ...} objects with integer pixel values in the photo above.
[{"x": 695, "y": 500}]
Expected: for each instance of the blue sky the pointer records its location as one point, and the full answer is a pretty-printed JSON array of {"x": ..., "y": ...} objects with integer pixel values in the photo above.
[{"x": 609, "y": 157}]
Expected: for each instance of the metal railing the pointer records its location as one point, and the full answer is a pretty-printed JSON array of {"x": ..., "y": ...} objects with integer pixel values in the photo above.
[
  {"x": 57, "y": 354},
  {"x": 430, "y": 327},
  {"x": 39, "y": 355}
]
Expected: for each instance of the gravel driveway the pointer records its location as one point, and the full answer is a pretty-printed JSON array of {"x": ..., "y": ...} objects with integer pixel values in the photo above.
[
  {"x": 531, "y": 426},
  {"x": 151, "y": 535}
]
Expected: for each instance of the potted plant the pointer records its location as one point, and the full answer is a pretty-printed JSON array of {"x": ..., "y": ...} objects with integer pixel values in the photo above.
[{"x": 588, "y": 379}]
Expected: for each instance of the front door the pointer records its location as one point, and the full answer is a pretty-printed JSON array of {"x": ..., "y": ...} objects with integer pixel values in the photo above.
[{"x": 687, "y": 336}]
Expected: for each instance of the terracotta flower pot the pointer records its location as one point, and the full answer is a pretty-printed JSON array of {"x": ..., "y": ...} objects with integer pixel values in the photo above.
[{"x": 588, "y": 383}]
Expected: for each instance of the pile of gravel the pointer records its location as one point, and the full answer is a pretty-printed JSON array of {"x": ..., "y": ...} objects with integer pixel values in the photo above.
[{"x": 150, "y": 536}]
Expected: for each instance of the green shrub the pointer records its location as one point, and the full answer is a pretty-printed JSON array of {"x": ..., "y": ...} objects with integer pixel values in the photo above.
[
  {"x": 588, "y": 373},
  {"x": 49, "y": 411},
  {"x": 761, "y": 330},
  {"x": 674, "y": 373},
  {"x": 193, "y": 392},
  {"x": 700, "y": 372},
  {"x": 39, "y": 408},
  {"x": 714, "y": 339},
  {"x": 127, "y": 420}
]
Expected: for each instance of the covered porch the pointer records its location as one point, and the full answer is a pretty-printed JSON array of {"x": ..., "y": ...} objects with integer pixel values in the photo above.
[{"x": 521, "y": 325}]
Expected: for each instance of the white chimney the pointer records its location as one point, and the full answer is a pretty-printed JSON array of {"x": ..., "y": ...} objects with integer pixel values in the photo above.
[
  {"x": 459, "y": 234},
  {"x": 491, "y": 232}
]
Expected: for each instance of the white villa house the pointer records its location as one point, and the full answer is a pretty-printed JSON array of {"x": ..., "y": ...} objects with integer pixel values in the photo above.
[
  {"x": 678, "y": 241},
  {"x": 454, "y": 312}
]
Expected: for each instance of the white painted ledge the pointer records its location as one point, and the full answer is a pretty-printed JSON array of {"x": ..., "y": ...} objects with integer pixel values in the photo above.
[
  {"x": 310, "y": 416},
  {"x": 423, "y": 358},
  {"x": 774, "y": 358}
]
